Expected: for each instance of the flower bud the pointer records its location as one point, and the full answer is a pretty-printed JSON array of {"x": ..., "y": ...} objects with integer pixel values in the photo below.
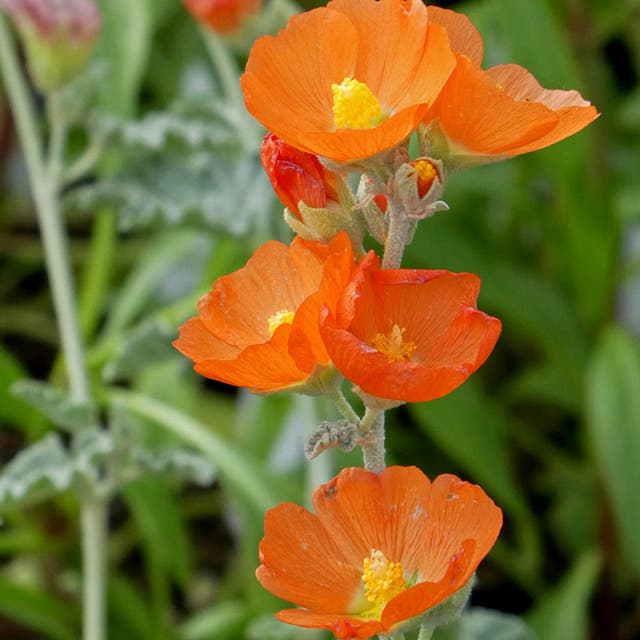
[
  {"x": 418, "y": 185},
  {"x": 297, "y": 176},
  {"x": 58, "y": 36},
  {"x": 222, "y": 16}
]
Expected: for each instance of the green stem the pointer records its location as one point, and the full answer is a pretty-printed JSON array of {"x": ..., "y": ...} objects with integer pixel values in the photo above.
[
  {"x": 93, "y": 521},
  {"x": 228, "y": 76},
  {"x": 43, "y": 178},
  {"x": 224, "y": 64},
  {"x": 426, "y": 633},
  {"x": 49, "y": 218},
  {"x": 345, "y": 409}
]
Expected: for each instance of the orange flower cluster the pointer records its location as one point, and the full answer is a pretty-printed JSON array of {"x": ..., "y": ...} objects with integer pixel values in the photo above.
[
  {"x": 379, "y": 551},
  {"x": 292, "y": 313},
  {"x": 341, "y": 89}
]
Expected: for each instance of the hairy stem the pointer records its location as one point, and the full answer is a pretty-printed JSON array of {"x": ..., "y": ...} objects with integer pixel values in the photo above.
[{"x": 372, "y": 440}]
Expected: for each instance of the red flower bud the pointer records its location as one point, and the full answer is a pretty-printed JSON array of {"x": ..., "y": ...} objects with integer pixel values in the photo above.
[
  {"x": 297, "y": 176},
  {"x": 223, "y": 16}
]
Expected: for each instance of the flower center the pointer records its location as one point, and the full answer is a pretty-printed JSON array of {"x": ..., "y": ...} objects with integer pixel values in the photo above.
[
  {"x": 355, "y": 106},
  {"x": 280, "y": 317},
  {"x": 382, "y": 580},
  {"x": 426, "y": 174},
  {"x": 393, "y": 345}
]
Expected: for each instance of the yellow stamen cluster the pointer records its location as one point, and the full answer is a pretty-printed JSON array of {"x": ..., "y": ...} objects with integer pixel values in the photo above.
[
  {"x": 393, "y": 345},
  {"x": 278, "y": 318},
  {"x": 355, "y": 106},
  {"x": 382, "y": 580}
]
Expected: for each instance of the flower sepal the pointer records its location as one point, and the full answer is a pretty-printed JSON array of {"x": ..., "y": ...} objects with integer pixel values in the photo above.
[
  {"x": 323, "y": 224},
  {"x": 442, "y": 614}
]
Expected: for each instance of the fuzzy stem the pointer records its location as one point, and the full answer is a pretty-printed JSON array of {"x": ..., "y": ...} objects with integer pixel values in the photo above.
[
  {"x": 372, "y": 440},
  {"x": 400, "y": 226},
  {"x": 43, "y": 178}
]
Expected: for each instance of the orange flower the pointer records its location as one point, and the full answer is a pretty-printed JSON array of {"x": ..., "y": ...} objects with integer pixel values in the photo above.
[
  {"x": 408, "y": 334},
  {"x": 503, "y": 111},
  {"x": 297, "y": 176},
  {"x": 380, "y": 549},
  {"x": 348, "y": 80},
  {"x": 223, "y": 16},
  {"x": 259, "y": 326}
]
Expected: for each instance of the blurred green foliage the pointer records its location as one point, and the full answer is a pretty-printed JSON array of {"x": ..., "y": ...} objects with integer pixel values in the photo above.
[{"x": 550, "y": 426}]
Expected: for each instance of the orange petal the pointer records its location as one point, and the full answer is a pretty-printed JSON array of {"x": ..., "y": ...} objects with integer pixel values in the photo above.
[
  {"x": 306, "y": 344},
  {"x": 365, "y": 511},
  {"x": 275, "y": 278},
  {"x": 395, "y": 60},
  {"x": 287, "y": 82},
  {"x": 198, "y": 343},
  {"x": 464, "y": 38},
  {"x": 479, "y": 117},
  {"x": 342, "y": 626},
  {"x": 261, "y": 367},
  {"x": 374, "y": 374},
  {"x": 458, "y": 511},
  {"x": 425, "y": 595},
  {"x": 573, "y": 111},
  {"x": 302, "y": 564}
]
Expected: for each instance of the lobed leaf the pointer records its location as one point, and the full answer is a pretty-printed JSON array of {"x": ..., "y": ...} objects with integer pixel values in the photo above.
[{"x": 56, "y": 405}]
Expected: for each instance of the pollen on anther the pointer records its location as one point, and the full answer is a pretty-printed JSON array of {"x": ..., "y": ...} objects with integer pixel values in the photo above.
[{"x": 355, "y": 106}]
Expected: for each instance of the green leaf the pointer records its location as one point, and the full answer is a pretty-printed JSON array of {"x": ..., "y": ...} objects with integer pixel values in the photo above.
[
  {"x": 154, "y": 269},
  {"x": 124, "y": 43},
  {"x": 239, "y": 472},
  {"x": 56, "y": 405},
  {"x": 520, "y": 24},
  {"x": 47, "y": 468},
  {"x": 147, "y": 345},
  {"x": 207, "y": 188},
  {"x": 613, "y": 423},
  {"x": 161, "y": 525},
  {"x": 176, "y": 463},
  {"x": 43, "y": 613},
  {"x": 205, "y": 121},
  {"x": 563, "y": 612},
  {"x": 37, "y": 472},
  {"x": 223, "y": 620},
  {"x": 485, "y": 624},
  {"x": 472, "y": 429},
  {"x": 12, "y": 410},
  {"x": 129, "y": 611}
]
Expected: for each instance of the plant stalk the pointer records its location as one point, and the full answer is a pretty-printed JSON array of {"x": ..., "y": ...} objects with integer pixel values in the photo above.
[{"x": 43, "y": 177}]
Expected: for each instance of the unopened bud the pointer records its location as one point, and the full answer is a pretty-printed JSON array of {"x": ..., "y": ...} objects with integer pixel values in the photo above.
[
  {"x": 222, "y": 16},
  {"x": 297, "y": 176},
  {"x": 418, "y": 186},
  {"x": 58, "y": 36}
]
